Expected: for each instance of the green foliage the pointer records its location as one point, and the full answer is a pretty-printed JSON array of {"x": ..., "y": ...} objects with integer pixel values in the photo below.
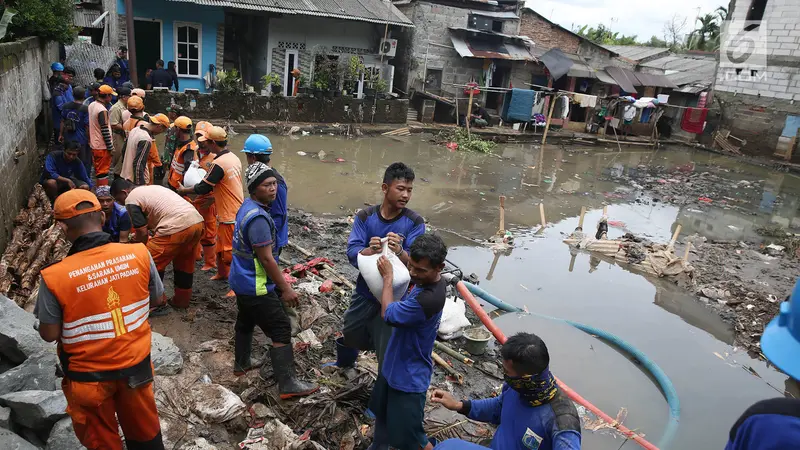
[
  {"x": 604, "y": 35},
  {"x": 656, "y": 42},
  {"x": 381, "y": 85},
  {"x": 707, "y": 34},
  {"x": 229, "y": 82},
  {"x": 465, "y": 142},
  {"x": 271, "y": 78},
  {"x": 48, "y": 19}
]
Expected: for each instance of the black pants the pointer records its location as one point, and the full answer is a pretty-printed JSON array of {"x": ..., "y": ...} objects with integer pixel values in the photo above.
[{"x": 267, "y": 312}]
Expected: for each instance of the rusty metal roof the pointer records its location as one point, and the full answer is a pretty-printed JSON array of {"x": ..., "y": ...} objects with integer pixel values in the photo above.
[
  {"x": 374, "y": 11},
  {"x": 501, "y": 47}
]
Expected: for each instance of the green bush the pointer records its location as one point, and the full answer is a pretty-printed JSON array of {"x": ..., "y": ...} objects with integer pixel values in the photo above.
[{"x": 48, "y": 19}]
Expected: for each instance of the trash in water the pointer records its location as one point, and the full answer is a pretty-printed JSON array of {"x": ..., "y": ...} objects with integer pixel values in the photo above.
[
  {"x": 705, "y": 200},
  {"x": 340, "y": 160},
  {"x": 305, "y": 133},
  {"x": 734, "y": 228},
  {"x": 616, "y": 223},
  {"x": 452, "y": 146},
  {"x": 302, "y": 153}
]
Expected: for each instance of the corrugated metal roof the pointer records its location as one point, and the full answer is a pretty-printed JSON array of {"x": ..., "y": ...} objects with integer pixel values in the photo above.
[
  {"x": 686, "y": 69},
  {"x": 375, "y": 11},
  {"x": 693, "y": 88},
  {"x": 604, "y": 77},
  {"x": 635, "y": 52},
  {"x": 624, "y": 78},
  {"x": 82, "y": 17},
  {"x": 502, "y": 15},
  {"x": 654, "y": 80},
  {"x": 489, "y": 50}
]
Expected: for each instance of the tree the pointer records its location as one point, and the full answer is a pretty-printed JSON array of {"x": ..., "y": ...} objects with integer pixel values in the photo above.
[
  {"x": 656, "y": 42},
  {"x": 673, "y": 32},
  {"x": 706, "y": 35},
  {"x": 722, "y": 13},
  {"x": 48, "y": 19},
  {"x": 604, "y": 35}
]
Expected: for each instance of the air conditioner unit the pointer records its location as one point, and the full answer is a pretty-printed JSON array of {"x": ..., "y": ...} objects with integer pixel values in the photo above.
[{"x": 388, "y": 47}]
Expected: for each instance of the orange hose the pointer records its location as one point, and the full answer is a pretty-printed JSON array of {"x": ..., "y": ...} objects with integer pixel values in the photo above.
[{"x": 489, "y": 324}]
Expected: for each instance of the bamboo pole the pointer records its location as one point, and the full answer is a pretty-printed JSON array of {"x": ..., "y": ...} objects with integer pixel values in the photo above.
[
  {"x": 494, "y": 264},
  {"x": 502, "y": 229},
  {"x": 446, "y": 349},
  {"x": 469, "y": 111},
  {"x": 572, "y": 263},
  {"x": 549, "y": 118},
  {"x": 541, "y": 215},
  {"x": 675, "y": 236},
  {"x": 605, "y": 210},
  {"x": 580, "y": 221},
  {"x": 686, "y": 254},
  {"x": 448, "y": 368}
]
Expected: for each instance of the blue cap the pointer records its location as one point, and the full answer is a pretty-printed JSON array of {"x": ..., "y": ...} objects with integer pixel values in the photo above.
[
  {"x": 781, "y": 339},
  {"x": 57, "y": 67},
  {"x": 258, "y": 144}
]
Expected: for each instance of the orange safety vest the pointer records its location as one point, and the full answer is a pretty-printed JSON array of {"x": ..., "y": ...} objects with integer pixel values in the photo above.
[
  {"x": 176, "y": 168},
  {"x": 105, "y": 303},
  {"x": 228, "y": 192}
]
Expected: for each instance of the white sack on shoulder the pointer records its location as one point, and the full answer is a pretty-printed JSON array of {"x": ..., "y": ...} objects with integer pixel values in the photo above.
[
  {"x": 193, "y": 175},
  {"x": 368, "y": 266}
]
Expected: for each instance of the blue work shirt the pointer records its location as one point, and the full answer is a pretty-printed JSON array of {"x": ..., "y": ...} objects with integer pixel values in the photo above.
[
  {"x": 55, "y": 166},
  {"x": 368, "y": 223},
  {"x": 78, "y": 114},
  {"x": 253, "y": 228},
  {"x": 279, "y": 212},
  {"x": 120, "y": 220},
  {"x": 62, "y": 95},
  {"x": 125, "y": 74},
  {"x": 552, "y": 426},
  {"x": 408, "y": 365},
  {"x": 768, "y": 424},
  {"x": 114, "y": 83}
]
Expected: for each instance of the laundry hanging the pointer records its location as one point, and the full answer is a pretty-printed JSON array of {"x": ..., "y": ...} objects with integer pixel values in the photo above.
[
  {"x": 629, "y": 113},
  {"x": 694, "y": 119},
  {"x": 538, "y": 104},
  {"x": 518, "y": 105},
  {"x": 646, "y": 113}
]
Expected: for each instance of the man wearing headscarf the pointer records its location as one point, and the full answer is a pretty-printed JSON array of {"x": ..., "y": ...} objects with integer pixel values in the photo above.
[{"x": 118, "y": 221}]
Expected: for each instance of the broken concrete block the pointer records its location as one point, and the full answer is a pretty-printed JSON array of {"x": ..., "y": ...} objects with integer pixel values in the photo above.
[
  {"x": 166, "y": 356},
  {"x": 62, "y": 437},
  {"x": 5, "y": 418},
  {"x": 37, "y": 373},
  {"x": 18, "y": 339},
  {"x": 11, "y": 440},
  {"x": 38, "y": 410}
]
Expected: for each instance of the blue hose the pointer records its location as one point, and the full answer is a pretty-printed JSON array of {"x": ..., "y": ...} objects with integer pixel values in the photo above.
[{"x": 663, "y": 380}]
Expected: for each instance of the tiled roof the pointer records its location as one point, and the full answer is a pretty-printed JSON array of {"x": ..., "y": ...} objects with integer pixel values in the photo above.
[{"x": 375, "y": 11}]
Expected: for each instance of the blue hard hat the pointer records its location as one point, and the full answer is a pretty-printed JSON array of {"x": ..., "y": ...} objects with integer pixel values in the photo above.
[
  {"x": 258, "y": 144},
  {"x": 57, "y": 67},
  {"x": 781, "y": 339}
]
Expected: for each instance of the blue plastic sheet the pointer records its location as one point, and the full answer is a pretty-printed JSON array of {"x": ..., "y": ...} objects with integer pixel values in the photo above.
[
  {"x": 791, "y": 126},
  {"x": 518, "y": 105}
]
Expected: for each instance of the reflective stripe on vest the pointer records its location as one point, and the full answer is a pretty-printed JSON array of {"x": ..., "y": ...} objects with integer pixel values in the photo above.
[{"x": 105, "y": 302}]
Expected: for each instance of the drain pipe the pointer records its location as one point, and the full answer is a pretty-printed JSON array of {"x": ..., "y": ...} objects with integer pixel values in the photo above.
[{"x": 464, "y": 289}]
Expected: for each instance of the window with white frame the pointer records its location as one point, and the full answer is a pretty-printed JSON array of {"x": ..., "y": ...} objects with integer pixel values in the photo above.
[{"x": 187, "y": 48}]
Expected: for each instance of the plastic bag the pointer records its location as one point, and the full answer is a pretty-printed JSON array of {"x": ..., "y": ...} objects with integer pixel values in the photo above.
[
  {"x": 454, "y": 318},
  {"x": 216, "y": 404},
  {"x": 193, "y": 175},
  {"x": 368, "y": 266}
]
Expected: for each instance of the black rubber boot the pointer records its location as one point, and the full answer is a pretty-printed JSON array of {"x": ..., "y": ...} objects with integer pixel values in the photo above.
[
  {"x": 243, "y": 346},
  {"x": 283, "y": 368}
]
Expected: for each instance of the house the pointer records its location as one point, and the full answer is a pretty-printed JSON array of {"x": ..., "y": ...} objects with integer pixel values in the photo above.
[
  {"x": 760, "y": 95},
  {"x": 258, "y": 38}
]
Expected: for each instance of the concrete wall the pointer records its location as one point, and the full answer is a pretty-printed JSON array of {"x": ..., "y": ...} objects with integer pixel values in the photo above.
[
  {"x": 24, "y": 68},
  {"x": 757, "y": 103},
  {"x": 291, "y": 109},
  {"x": 208, "y": 18}
]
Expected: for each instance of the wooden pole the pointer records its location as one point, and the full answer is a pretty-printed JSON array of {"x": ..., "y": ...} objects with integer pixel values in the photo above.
[
  {"x": 547, "y": 125},
  {"x": 686, "y": 254},
  {"x": 605, "y": 210},
  {"x": 494, "y": 264},
  {"x": 131, "y": 42},
  {"x": 448, "y": 368},
  {"x": 572, "y": 262},
  {"x": 461, "y": 358},
  {"x": 675, "y": 236},
  {"x": 469, "y": 111},
  {"x": 580, "y": 221},
  {"x": 502, "y": 229},
  {"x": 541, "y": 214}
]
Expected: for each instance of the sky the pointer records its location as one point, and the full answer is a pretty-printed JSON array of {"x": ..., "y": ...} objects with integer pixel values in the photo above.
[{"x": 643, "y": 18}]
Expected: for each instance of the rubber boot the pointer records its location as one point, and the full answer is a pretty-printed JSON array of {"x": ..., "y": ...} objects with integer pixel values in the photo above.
[
  {"x": 209, "y": 258},
  {"x": 283, "y": 368},
  {"x": 243, "y": 346},
  {"x": 181, "y": 298},
  {"x": 345, "y": 356},
  {"x": 223, "y": 269}
]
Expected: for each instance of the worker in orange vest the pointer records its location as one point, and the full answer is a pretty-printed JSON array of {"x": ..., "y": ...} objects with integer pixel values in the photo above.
[
  {"x": 185, "y": 151},
  {"x": 205, "y": 203},
  {"x": 225, "y": 181},
  {"x": 96, "y": 304}
]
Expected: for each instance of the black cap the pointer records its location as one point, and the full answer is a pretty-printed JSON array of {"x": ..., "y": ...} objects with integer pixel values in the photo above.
[
  {"x": 70, "y": 70},
  {"x": 94, "y": 86},
  {"x": 123, "y": 48},
  {"x": 123, "y": 91}
]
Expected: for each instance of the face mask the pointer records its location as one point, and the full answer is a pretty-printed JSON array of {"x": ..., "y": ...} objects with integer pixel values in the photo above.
[{"x": 535, "y": 389}]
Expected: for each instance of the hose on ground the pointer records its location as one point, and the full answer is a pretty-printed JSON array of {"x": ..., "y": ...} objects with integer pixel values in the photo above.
[{"x": 467, "y": 290}]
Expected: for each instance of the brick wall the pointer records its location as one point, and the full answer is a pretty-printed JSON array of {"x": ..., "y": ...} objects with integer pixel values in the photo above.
[
  {"x": 545, "y": 34},
  {"x": 760, "y": 120},
  {"x": 24, "y": 68}
]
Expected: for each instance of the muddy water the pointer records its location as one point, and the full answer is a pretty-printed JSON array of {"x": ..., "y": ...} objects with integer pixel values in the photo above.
[{"x": 459, "y": 192}]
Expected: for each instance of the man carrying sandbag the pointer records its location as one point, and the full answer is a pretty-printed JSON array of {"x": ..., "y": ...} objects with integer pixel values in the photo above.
[{"x": 363, "y": 327}]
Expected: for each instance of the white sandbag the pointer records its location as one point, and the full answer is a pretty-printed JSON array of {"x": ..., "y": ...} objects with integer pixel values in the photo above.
[
  {"x": 454, "y": 318},
  {"x": 215, "y": 403},
  {"x": 193, "y": 175},
  {"x": 368, "y": 266}
]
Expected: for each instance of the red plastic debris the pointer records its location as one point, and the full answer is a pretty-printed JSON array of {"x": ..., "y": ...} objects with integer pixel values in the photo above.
[
  {"x": 289, "y": 278},
  {"x": 705, "y": 200},
  {"x": 340, "y": 160},
  {"x": 616, "y": 223},
  {"x": 327, "y": 286},
  {"x": 452, "y": 146}
]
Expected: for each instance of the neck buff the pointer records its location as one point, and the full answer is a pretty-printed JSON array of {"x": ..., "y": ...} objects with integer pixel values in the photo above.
[{"x": 535, "y": 389}]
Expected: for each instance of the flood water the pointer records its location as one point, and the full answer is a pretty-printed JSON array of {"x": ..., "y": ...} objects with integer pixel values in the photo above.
[{"x": 459, "y": 192}]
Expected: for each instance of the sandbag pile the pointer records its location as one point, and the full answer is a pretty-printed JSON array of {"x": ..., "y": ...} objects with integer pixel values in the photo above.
[{"x": 35, "y": 243}]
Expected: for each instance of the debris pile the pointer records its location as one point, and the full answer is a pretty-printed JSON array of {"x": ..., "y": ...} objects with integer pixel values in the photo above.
[{"x": 35, "y": 243}]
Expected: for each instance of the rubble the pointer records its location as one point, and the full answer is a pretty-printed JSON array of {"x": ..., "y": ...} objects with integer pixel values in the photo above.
[
  {"x": 62, "y": 437},
  {"x": 37, "y": 410},
  {"x": 36, "y": 373},
  {"x": 215, "y": 404},
  {"x": 18, "y": 338},
  {"x": 11, "y": 440},
  {"x": 165, "y": 355},
  {"x": 5, "y": 417}
]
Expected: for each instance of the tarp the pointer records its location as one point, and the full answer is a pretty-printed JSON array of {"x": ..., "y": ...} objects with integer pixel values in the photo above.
[
  {"x": 790, "y": 126},
  {"x": 625, "y": 78},
  {"x": 518, "y": 105},
  {"x": 557, "y": 63}
]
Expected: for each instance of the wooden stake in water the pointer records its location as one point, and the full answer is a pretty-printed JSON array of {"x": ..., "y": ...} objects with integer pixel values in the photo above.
[
  {"x": 675, "y": 236},
  {"x": 541, "y": 214},
  {"x": 469, "y": 110},
  {"x": 502, "y": 229},
  {"x": 580, "y": 221},
  {"x": 686, "y": 254},
  {"x": 494, "y": 265}
]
